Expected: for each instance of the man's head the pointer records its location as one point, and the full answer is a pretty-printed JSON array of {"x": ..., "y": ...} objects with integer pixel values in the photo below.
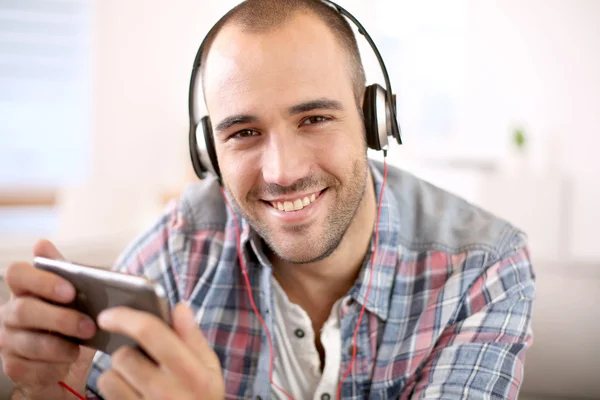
[{"x": 283, "y": 91}]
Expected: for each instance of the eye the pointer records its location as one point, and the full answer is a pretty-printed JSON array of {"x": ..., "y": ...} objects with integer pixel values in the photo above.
[
  {"x": 244, "y": 133},
  {"x": 317, "y": 119}
]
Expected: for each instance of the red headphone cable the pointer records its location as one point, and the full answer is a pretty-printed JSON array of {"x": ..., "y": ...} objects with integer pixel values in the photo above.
[
  {"x": 73, "y": 391},
  {"x": 245, "y": 273}
]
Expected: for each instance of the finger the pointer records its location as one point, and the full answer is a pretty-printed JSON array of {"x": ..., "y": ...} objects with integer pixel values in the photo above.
[
  {"x": 24, "y": 279},
  {"x": 189, "y": 332},
  {"x": 141, "y": 373},
  {"x": 37, "y": 346},
  {"x": 113, "y": 386},
  {"x": 32, "y": 313},
  {"x": 157, "y": 339},
  {"x": 187, "y": 329},
  {"x": 45, "y": 248}
]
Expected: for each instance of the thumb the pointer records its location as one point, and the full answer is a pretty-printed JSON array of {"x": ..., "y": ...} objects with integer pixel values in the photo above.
[
  {"x": 188, "y": 331},
  {"x": 211, "y": 379},
  {"x": 45, "y": 248}
]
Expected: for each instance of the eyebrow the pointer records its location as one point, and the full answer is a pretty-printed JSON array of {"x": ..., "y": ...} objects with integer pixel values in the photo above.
[
  {"x": 235, "y": 120},
  {"x": 318, "y": 104}
]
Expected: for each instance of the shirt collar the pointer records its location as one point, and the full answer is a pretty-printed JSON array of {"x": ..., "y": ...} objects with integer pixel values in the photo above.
[{"x": 386, "y": 257}]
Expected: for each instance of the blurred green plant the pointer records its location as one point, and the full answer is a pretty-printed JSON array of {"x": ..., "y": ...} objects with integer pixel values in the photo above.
[{"x": 519, "y": 139}]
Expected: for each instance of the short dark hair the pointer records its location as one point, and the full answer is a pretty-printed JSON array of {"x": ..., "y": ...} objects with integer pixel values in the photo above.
[{"x": 258, "y": 16}]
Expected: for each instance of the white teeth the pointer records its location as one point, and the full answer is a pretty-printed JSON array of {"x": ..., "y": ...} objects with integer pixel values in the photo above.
[
  {"x": 298, "y": 205},
  {"x": 295, "y": 205},
  {"x": 288, "y": 206}
]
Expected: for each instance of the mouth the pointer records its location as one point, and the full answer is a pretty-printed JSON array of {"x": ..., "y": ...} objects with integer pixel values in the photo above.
[{"x": 295, "y": 204}]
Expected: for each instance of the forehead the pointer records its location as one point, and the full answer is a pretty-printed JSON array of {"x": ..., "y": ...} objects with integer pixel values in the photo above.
[{"x": 298, "y": 61}]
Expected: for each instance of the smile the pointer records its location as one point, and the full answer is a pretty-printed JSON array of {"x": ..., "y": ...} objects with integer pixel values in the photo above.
[{"x": 297, "y": 204}]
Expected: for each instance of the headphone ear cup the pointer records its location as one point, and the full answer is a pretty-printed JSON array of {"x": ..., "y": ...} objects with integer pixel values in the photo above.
[
  {"x": 377, "y": 118},
  {"x": 195, "y": 155},
  {"x": 210, "y": 144},
  {"x": 370, "y": 117}
]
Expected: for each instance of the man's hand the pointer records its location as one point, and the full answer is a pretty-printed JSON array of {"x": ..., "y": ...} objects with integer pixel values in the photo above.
[
  {"x": 33, "y": 356},
  {"x": 186, "y": 366}
]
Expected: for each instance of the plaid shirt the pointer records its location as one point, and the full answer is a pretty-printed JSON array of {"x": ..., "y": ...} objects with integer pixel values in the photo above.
[{"x": 448, "y": 315}]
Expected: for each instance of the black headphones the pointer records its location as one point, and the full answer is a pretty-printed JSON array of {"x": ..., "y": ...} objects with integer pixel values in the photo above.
[{"x": 379, "y": 109}]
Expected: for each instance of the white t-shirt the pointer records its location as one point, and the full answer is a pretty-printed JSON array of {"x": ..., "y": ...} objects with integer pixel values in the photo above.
[{"x": 296, "y": 367}]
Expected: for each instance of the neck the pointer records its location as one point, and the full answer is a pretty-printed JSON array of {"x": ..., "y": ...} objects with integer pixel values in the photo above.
[{"x": 316, "y": 286}]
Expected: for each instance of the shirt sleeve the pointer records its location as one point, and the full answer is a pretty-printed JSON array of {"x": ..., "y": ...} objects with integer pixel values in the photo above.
[{"x": 481, "y": 353}]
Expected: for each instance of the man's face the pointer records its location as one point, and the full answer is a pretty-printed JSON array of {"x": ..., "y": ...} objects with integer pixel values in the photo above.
[{"x": 288, "y": 134}]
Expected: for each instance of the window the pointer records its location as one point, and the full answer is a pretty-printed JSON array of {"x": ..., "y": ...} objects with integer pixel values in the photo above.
[{"x": 45, "y": 98}]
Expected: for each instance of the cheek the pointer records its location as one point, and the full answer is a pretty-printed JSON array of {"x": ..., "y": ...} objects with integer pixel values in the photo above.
[
  {"x": 239, "y": 174},
  {"x": 341, "y": 154}
]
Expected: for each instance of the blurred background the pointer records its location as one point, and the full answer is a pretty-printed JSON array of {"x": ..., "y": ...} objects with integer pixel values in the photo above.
[{"x": 499, "y": 102}]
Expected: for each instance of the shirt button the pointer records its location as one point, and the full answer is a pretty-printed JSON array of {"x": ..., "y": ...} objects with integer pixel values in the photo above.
[
  {"x": 299, "y": 333},
  {"x": 325, "y": 396}
]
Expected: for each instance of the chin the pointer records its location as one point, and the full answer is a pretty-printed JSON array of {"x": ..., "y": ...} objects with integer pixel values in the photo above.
[{"x": 301, "y": 252}]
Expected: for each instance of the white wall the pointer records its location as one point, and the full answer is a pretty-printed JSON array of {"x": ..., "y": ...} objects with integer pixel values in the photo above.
[
  {"x": 531, "y": 63},
  {"x": 537, "y": 61}
]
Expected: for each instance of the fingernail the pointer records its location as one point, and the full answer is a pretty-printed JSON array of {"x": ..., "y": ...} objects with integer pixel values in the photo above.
[
  {"x": 87, "y": 327},
  {"x": 64, "y": 291},
  {"x": 104, "y": 317}
]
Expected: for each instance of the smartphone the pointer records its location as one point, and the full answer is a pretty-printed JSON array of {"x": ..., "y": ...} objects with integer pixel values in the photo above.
[{"x": 98, "y": 289}]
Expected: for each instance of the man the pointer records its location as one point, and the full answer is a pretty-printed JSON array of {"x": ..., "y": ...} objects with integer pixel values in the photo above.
[{"x": 445, "y": 290}]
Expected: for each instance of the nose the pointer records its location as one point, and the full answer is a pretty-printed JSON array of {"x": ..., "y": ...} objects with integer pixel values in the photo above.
[{"x": 285, "y": 160}]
